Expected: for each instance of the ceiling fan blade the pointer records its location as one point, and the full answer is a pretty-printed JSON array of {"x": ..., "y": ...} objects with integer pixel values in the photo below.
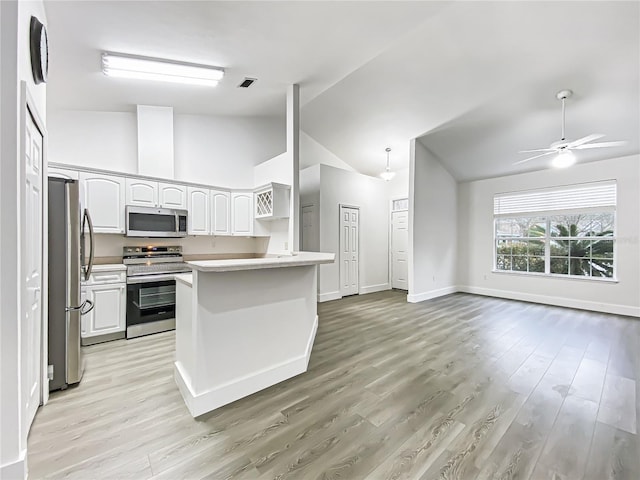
[
  {"x": 538, "y": 150},
  {"x": 531, "y": 158},
  {"x": 583, "y": 140},
  {"x": 601, "y": 145}
]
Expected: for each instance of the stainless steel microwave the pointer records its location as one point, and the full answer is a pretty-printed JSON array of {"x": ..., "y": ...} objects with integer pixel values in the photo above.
[{"x": 155, "y": 222}]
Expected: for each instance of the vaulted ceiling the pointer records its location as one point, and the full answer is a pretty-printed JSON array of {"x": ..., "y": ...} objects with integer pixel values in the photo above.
[{"x": 474, "y": 81}]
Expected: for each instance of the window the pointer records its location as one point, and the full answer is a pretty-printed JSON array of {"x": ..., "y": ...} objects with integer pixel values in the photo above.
[
  {"x": 563, "y": 231},
  {"x": 400, "y": 204}
]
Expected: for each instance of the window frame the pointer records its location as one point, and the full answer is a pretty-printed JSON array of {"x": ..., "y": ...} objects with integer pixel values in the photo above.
[{"x": 547, "y": 238}]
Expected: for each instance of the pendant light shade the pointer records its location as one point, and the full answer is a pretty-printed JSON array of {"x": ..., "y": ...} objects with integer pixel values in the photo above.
[{"x": 387, "y": 174}]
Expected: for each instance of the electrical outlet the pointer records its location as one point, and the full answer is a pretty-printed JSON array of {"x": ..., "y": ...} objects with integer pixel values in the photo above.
[{"x": 286, "y": 245}]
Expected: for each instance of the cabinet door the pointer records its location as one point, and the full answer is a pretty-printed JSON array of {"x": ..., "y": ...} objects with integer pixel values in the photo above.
[
  {"x": 104, "y": 197},
  {"x": 109, "y": 311},
  {"x": 142, "y": 193},
  {"x": 198, "y": 206},
  {"x": 63, "y": 173},
  {"x": 172, "y": 195},
  {"x": 220, "y": 212},
  {"x": 242, "y": 213}
]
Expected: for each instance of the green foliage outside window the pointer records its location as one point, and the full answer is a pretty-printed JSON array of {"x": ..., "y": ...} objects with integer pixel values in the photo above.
[{"x": 579, "y": 244}]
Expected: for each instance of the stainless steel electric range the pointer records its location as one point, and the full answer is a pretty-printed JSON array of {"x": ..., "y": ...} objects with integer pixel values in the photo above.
[{"x": 151, "y": 288}]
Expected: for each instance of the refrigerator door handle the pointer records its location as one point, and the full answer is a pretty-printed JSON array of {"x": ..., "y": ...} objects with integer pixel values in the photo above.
[
  {"x": 84, "y": 304},
  {"x": 89, "y": 266},
  {"x": 82, "y": 307}
]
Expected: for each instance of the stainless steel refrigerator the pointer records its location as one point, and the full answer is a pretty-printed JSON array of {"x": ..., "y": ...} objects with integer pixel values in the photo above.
[{"x": 68, "y": 222}]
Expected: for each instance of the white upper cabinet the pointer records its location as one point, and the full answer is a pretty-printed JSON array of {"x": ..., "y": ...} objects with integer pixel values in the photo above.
[
  {"x": 198, "y": 206},
  {"x": 146, "y": 193},
  {"x": 105, "y": 198},
  {"x": 272, "y": 201},
  {"x": 63, "y": 173},
  {"x": 172, "y": 195},
  {"x": 242, "y": 213},
  {"x": 220, "y": 212},
  {"x": 142, "y": 193}
]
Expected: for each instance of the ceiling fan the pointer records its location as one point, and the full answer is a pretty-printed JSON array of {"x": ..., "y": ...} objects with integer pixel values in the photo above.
[{"x": 564, "y": 148}]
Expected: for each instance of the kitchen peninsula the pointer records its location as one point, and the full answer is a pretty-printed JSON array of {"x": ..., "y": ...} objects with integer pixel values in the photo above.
[{"x": 243, "y": 325}]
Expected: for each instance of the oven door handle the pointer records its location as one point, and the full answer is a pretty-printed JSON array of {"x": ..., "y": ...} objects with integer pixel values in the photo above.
[{"x": 152, "y": 278}]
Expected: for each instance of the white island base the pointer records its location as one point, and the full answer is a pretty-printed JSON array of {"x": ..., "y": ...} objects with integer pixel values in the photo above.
[{"x": 243, "y": 325}]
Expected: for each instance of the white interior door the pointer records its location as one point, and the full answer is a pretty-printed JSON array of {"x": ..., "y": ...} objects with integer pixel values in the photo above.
[
  {"x": 349, "y": 250},
  {"x": 309, "y": 229},
  {"x": 399, "y": 245},
  {"x": 32, "y": 268}
]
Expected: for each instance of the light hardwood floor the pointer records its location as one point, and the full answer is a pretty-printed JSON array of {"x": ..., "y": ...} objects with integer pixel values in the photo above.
[{"x": 460, "y": 387}]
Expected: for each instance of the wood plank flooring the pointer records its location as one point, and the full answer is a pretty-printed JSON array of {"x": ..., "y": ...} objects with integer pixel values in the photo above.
[{"x": 459, "y": 387}]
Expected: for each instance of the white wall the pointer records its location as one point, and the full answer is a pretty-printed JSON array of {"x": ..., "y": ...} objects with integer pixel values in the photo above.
[
  {"x": 398, "y": 186},
  {"x": 310, "y": 195},
  {"x": 476, "y": 241},
  {"x": 337, "y": 187},
  {"x": 155, "y": 141},
  {"x": 105, "y": 140},
  {"x": 14, "y": 68},
  {"x": 109, "y": 245},
  {"x": 432, "y": 226},
  {"x": 219, "y": 151},
  {"x": 314, "y": 153},
  {"x": 223, "y": 150}
]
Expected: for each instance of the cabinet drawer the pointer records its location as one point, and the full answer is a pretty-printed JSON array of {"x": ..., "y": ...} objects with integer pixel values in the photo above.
[{"x": 98, "y": 278}]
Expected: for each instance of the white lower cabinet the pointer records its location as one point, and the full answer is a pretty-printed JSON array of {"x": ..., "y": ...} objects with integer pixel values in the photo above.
[{"x": 107, "y": 319}]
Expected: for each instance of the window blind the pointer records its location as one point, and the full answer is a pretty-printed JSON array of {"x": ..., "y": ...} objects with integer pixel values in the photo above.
[{"x": 570, "y": 197}]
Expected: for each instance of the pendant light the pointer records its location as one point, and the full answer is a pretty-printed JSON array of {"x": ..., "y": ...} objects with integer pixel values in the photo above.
[{"x": 387, "y": 174}]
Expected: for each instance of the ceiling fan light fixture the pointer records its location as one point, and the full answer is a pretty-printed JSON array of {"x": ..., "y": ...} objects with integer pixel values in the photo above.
[
  {"x": 158, "y": 69},
  {"x": 564, "y": 159},
  {"x": 387, "y": 174}
]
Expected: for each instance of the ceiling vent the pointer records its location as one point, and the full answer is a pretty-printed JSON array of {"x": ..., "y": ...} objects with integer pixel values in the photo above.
[{"x": 247, "y": 82}]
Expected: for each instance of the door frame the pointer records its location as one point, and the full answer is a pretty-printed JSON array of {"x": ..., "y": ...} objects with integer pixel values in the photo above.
[
  {"x": 340, "y": 205},
  {"x": 28, "y": 108},
  {"x": 302, "y": 207},
  {"x": 391, "y": 210}
]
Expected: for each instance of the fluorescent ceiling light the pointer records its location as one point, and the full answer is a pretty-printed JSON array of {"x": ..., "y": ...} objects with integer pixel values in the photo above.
[
  {"x": 564, "y": 159},
  {"x": 157, "y": 69}
]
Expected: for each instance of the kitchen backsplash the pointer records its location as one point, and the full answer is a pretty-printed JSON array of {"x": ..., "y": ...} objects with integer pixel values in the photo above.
[{"x": 109, "y": 245}]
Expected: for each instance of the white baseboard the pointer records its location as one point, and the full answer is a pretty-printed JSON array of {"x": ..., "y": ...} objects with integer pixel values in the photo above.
[
  {"x": 327, "y": 297},
  {"x": 421, "y": 297},
  {"x": 16, "y": 470},
  {"x": 199, "y": 404},
  {"x": 375, "y": 288},
  {"x": 557, "y": 301}
]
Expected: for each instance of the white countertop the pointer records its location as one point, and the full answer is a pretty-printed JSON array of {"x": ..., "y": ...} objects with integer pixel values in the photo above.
[
  {"x": 186, "y": 278},
  {"x": 297, "y": 259},
  {"x": 109, "y": 267}
]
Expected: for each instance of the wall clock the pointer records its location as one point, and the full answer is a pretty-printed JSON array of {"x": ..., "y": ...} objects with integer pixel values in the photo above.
[{"x": 39, "y": 51}]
